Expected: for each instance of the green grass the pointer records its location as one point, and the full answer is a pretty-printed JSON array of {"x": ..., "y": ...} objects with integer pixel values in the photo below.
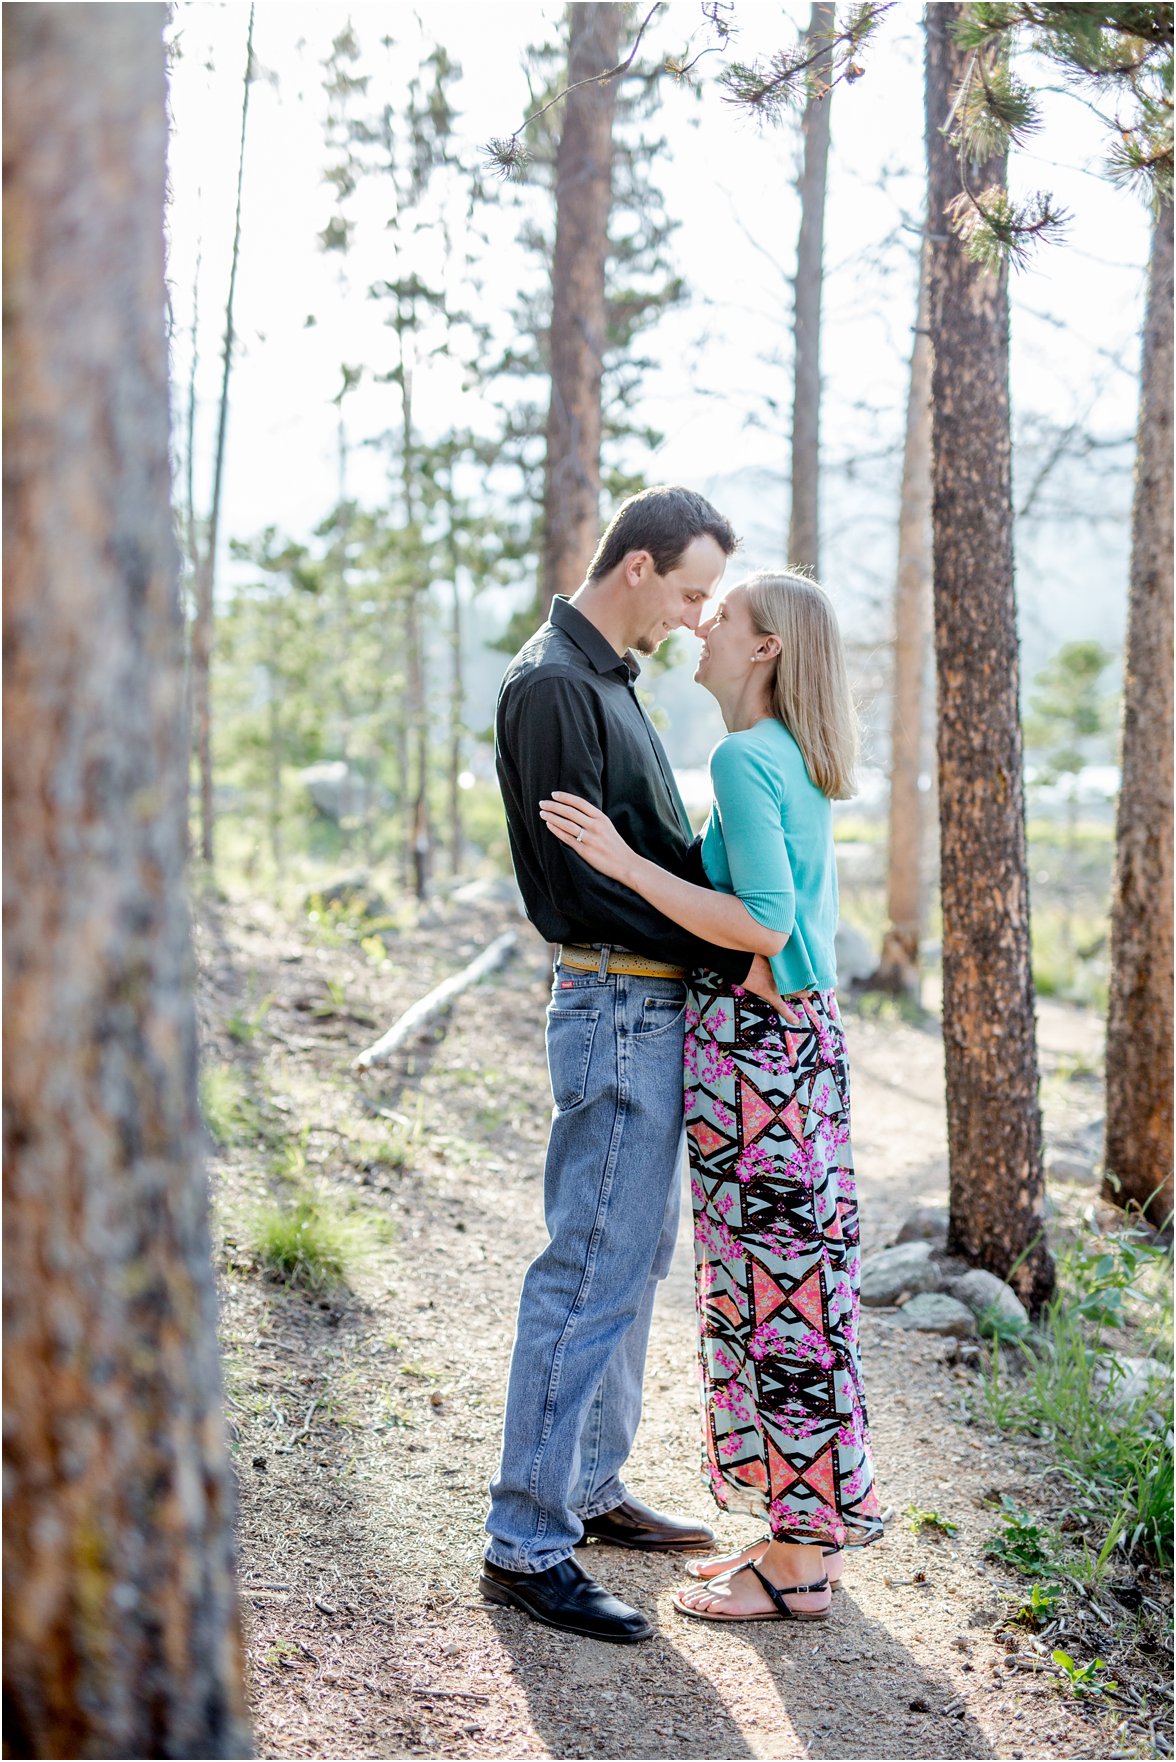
[
  {"x": 230, "y": 1113},
  {"x": 1113, "y": 1455},
  {"x": 1070, "y": 959},
  {"x": 304, "y": 1245},
  {"x": 244, "y": 1026},
  {"x": 882, "y": 1006}
]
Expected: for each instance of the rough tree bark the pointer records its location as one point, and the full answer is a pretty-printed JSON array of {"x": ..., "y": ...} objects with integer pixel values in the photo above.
[
  {"x": 120, "y": 1621},
  {"x": 804, "y": 550},
  {"x": 1138, "y": 1146},
  {"x": 997, "y": 1187},
  {"x": 906, "y": 892},
  {"x": 583, "y": 198}
]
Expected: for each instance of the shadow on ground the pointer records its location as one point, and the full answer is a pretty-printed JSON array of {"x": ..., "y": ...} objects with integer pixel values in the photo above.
[{"x": 838, "y": 1688}]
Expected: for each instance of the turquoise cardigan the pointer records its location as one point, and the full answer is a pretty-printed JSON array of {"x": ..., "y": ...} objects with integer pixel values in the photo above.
[{"x": 769, "y": 840}]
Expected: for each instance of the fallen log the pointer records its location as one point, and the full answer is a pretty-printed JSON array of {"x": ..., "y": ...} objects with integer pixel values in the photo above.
[{"x": 425, "y": 1011}]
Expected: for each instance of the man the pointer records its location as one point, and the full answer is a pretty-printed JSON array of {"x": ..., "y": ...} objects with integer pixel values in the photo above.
[{"x": 569, "y": 718}]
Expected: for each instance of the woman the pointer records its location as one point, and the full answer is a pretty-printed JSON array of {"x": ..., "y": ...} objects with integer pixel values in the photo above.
[{"x": 767, "y": 1106}]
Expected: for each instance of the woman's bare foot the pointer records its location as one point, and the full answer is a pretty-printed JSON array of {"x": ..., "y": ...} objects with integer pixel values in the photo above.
[
  {"x": 705, "y": 1570},
  {"x": 708, "y": 1569},
  {"x": 739, "y": 1596}
]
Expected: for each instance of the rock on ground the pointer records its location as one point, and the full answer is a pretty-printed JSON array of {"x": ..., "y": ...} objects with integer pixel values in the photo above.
[
  {"x": 886, "y": 1275},
  {"x": 927, "y": 1223},
  {"x": 933, "y": 1313},
  {"x": 986, "y": 1295}
]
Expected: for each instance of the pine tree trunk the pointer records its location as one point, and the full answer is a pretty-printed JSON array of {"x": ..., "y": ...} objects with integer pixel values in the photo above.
[
  {"x": 1138, "y": 1149},
  {"x": 906, "y": 892},
  {"x": 201, "y": 656},
  {"x": 417, "y": 704},
  {"x": 456, "y": 702},
  {"x": 120, "y": 1620},
  {"x": 804, "y": 549},
  {"x": 997, "y": 1187},
  {"x": 583, "y": 198},
  {"x": 273, "y": 683}
]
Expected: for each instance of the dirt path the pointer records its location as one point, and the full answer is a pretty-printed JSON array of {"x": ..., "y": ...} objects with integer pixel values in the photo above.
[{"x": 367, "y": 1425}]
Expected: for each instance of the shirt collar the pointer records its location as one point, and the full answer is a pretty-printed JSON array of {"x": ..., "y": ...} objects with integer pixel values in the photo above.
[{"x": 595, "y": 647}]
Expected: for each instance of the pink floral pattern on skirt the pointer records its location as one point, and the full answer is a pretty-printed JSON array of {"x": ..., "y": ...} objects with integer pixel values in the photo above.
[{"x": 777, "y": 1263}]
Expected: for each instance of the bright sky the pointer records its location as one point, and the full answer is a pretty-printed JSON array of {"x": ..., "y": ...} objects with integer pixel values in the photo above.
[{"x": 1076, "y": 312}]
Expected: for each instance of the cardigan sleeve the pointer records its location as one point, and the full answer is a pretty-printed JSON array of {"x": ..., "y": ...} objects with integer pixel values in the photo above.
[{"x": 749, "y": 802}]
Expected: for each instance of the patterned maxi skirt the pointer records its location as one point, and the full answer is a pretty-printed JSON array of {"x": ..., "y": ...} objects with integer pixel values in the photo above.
[{"x": 777, "y": 1263}]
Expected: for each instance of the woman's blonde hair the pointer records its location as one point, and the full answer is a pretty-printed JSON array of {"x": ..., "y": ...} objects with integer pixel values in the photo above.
[{"x": 810, "y": 693}]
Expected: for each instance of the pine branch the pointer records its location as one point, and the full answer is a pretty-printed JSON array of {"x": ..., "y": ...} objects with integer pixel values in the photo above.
[
  {"x": 724, "y": 30},
  {"x": 789, "y": 79},
  {"x": 1125, "y": 50},
  {"x": 994, "y": 230},
  {"x": 508, "y": 156}
]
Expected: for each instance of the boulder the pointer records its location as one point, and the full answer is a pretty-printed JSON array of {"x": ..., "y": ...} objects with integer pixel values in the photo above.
[
  {"x": 1126, "y": 1380},
  {"x": 931, "y": 1312},
  {"x": 1071, "y": 1168},
  {"x": 855, "y": 955},
  {"x": 985, "y": 1295},
  {"x": 890, "y": 1273},
  {"x": 927, "y": 1223},
  {"x": 335, "y": 789}
]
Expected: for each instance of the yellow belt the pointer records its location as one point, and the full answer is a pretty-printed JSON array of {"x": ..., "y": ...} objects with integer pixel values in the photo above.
[{"x": 588, "y": 960}]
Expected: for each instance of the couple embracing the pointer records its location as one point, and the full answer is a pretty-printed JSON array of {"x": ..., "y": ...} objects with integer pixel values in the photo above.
[{"x": 693, "y": 980}]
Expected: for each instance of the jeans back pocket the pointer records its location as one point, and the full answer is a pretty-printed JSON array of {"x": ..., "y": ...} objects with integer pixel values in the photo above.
[{"x": 570, "y": 1033}]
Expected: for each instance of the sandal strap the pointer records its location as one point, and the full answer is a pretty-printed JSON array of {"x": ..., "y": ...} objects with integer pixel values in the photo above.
[{"x": 778, "y": 1593}]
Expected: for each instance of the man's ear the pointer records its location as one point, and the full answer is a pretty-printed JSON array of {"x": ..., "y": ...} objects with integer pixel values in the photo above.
[{"x": 638, "y": 565}]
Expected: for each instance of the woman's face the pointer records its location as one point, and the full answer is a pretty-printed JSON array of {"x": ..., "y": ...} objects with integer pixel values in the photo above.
[{"x": 729, "y": 641}]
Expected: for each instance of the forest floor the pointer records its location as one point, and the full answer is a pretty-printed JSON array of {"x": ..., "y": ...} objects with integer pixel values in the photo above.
[{"x": 365, "y": 1418}]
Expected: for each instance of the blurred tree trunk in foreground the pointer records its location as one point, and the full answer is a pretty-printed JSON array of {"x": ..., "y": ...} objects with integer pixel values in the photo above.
[
  {"x": 120, "y": 1623},
  {"x": 997, "y": 1183},
  {"x": 583, "y": 196},
  {"x": 1138, "y": 1149},
  {"x": 898, "y": 966},
  {"x": 804, "y": 547}
]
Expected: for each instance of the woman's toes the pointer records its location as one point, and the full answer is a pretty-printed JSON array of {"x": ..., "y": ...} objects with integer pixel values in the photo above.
[
  {"x": 696, "y": 1596},
  {"x": 708, "y": 1569}
]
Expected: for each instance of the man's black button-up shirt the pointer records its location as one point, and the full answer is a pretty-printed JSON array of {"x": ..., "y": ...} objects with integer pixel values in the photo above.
[{"x": 569, "y": 718}]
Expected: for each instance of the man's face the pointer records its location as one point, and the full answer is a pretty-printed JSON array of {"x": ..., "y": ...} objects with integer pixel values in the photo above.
[{"x": 677, "y": 600}]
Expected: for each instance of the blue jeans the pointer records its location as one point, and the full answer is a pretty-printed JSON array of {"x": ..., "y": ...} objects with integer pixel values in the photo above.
[{"x": 611, "y": 1192}]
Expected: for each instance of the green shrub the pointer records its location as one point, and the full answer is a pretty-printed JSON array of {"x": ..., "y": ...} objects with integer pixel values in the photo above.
[
  {"x": 229, "y": 1111},
  {"x": 303, "y": 1246},
  {"x": 1117, "y": 1453}
]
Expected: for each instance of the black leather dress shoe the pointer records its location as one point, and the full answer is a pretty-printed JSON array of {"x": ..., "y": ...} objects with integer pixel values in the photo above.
[
  {"x": 633, "y": 1525},
  {"x": 565, "y": 1596}
]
